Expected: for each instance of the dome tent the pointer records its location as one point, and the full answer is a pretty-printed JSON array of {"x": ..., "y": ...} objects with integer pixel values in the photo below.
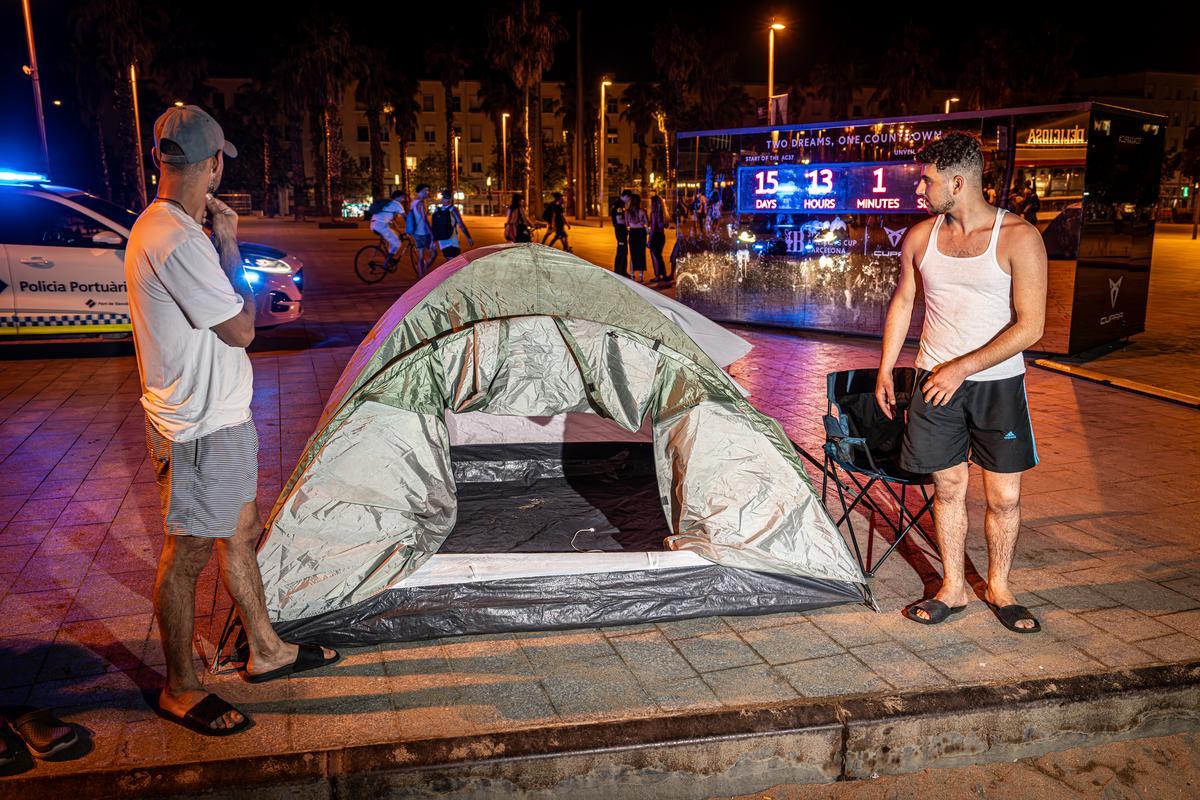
[{"x": 525, "y": 441}]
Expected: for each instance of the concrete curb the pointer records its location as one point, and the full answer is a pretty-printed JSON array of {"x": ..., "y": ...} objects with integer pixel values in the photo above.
[
  {"x": 722, "y": 752},
  {"x": 1145, "y": 389}
]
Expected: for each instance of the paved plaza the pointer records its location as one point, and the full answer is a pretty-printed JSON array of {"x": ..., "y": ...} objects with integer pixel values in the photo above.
[{"x": 1107, "y": 559}]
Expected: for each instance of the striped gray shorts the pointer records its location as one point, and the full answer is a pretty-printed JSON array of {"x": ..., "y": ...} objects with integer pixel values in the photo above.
[{"x": 204, "y": 483}]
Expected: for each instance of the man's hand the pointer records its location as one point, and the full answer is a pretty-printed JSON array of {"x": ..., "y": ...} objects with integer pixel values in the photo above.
[
  {"x": 943, "y": 382},
  {"x": 222, "y": 218},
  {"x": 885, "y": 394}
]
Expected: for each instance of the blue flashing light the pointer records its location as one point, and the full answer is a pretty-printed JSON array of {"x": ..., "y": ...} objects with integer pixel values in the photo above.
[
  {"x": 17, "y": 176},
  {"x": 252, "y": 277}
]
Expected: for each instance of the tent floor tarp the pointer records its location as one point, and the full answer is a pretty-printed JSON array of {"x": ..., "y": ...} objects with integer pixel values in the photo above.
[{"x": 585, "y": 528}]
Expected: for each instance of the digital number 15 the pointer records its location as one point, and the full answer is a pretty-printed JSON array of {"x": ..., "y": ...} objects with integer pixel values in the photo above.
[{"x": 768, "y": 182}]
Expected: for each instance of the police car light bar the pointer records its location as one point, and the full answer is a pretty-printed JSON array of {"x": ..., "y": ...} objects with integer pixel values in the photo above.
[{"x": 16, "y": 176}]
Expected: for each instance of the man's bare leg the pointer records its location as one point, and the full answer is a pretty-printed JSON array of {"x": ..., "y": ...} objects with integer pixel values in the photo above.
[
  {"x": 1001, "y": 526},
  {"x": 182, "y": 560},
  {"x": 950, "y": 523},
  {"x": 243, "y": 581}
]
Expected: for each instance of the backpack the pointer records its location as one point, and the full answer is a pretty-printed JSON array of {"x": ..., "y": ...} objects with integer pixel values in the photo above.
[
  {"x": 442, "y": 224},
  {"x": 548, "y": 213},
  {"x": 376, "y": 207}
]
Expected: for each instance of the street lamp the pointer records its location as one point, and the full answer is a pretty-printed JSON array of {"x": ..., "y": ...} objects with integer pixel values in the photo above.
[
  {"x": 603, "y": 135},
  {"x": 32, "y": 72},
  {"x": 775, "y": 26},
  {"x": 454, "y": 185},
  {"x": 137, "y": 135},
  {"x": 504, "y": 151},
  {"x": 948, "y": 102}
]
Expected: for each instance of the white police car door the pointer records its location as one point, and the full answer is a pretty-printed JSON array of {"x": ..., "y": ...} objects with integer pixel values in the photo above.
[
  {"x": 8, "y": 297},
  {"x": 67, "y": 267}
]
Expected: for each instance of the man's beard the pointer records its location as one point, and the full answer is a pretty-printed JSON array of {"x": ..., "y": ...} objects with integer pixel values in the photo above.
[{"x": 944, "y": 208}]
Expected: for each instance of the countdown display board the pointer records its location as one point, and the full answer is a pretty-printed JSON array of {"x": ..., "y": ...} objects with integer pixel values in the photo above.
[{"x": 847, "y": 188}]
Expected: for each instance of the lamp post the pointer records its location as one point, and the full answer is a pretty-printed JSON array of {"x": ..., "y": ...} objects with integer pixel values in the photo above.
[
  {"x": 504, "y": 152},
  {"x": 775, "y": 26},
  {"x": 32, "y": 71},
  {"x": 948, "y": 102},
  {"x": 602, "y": 134},
  {"x": 454, "y": 187},
  {"x": 137, "y": 135}
]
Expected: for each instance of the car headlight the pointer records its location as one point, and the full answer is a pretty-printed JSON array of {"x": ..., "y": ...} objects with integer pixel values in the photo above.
[{"x": 261, "y": 264}]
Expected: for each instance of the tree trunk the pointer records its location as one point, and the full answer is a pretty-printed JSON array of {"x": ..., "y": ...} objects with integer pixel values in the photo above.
[
  {"x": 535, "y": 203},
  {"x": 525, "y": 128},
  {"x": 451, "y": 166},
  {"x": 644, "y": 177},
  {"x": 299, "y": 181},
  {"x": 334, "y": 168},
  {"x": 266, "y": 173},
  {"x": 404, "y": 164},
  {"x": 320, "y": 198},
  {"x": 103, "y": 160},
  {"x": 375, "y": 136}
]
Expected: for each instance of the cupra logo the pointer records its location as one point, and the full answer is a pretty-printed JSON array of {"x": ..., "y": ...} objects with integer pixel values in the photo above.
[
  {"x": 1114, "y": 287},
  {"x": 894, "y": 236}
]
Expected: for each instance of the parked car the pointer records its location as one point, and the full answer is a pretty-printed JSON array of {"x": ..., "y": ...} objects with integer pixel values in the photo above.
[{"x": 62, "y": 254}]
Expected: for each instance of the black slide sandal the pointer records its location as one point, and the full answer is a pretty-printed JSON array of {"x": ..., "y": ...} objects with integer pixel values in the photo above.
[
  {"x": 1009, "y": 616},
  {"x": 201, "y": 716},
  {"x": 310, "y": 657},
  {"x": 937, "y": 610}
]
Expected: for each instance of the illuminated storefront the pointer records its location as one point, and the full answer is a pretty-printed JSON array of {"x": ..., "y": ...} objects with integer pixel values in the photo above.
[{"x": 801, "y": 226}]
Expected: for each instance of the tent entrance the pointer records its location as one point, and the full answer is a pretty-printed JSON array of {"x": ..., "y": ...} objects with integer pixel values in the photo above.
[{"x": 556, "y": 498}]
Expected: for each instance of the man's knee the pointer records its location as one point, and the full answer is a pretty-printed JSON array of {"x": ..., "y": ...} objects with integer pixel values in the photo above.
[
  {"x": 950, "y": 485},
  {"x": 1004, "y": 500},
  {"x": 186, "y": 556}
]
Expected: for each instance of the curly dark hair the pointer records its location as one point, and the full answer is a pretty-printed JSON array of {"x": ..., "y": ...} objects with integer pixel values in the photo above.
[{"x": 957, "y": 151}]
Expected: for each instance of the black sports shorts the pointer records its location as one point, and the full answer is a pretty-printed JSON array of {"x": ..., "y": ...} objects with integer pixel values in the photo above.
[{"x": 985, "y": 421}]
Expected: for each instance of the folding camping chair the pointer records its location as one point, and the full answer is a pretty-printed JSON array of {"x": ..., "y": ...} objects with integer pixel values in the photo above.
[{"x": 864, "y": 445}]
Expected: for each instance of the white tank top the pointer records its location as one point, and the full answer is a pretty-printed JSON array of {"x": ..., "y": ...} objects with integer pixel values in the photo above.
[{"x": 967, "y": 302}]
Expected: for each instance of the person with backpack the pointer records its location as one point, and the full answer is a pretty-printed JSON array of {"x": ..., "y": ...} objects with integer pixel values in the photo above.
[
  {"x": 616, "y": 212},
  {"x": 638, "y": 224},
  {"x": 556, "y": 222},
  {"x": 1032, "y": 205},
  {"x": 381, "y": 213},
  {"x": 517, "y": 227},
  {"x": 445, "y": 224},
  {"x": 417, "y": 226}
]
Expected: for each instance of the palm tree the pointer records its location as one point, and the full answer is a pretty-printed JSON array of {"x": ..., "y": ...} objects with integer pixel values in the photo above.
[
  {"x": 836, "y": 84},
  {"x": 448, "y": 65},
  {"x": 292, "y": 98},
  {"x": 641, "y": 105},
  {"x": 986, "y": 77},
  {"x": 498, "y": 95},
  {"x": 523, "y": 45},
  {"x": 372, "y": 91},
  {"x": 676, "y": 58},
  {"x": 324, "y": 65},
  {"x": 257, "y": 110},
  {"x": 905, "y": 79},
  {"x": 402, "y": 116},
  {"x": 109, "y": 36}
]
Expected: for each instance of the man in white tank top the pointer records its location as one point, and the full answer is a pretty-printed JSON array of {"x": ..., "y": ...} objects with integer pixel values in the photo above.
[{"x": 983, "y": 275}]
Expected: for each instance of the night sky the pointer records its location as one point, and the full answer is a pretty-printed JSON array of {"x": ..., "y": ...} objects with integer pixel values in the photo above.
[{"x": 617, "y": 39}]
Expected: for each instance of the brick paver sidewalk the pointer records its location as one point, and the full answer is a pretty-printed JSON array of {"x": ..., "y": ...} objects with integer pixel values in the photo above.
[{"x": 1107, "y": 557}]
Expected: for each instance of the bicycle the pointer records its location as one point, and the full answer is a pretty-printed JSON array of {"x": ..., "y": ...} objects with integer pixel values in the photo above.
[{"x": 372, "y": 263}]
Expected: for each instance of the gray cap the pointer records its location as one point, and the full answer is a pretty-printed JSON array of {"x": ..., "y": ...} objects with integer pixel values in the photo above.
[{"x": 193, "y": 131}]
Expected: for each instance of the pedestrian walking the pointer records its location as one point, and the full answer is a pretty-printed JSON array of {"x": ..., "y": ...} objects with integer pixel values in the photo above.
[
  {"x": 638, "y": 224},
  {"x": 658, "y": 238},
  {"x": 556, "y": 222},
  {"x": 616, "y": 212},
  {"x": 517, "y": 227},
  {"x": 445, "y": 223},
  {"x": 193, "y": 314},
  {"x": 983, "y": 273},
  {"x": 699, "y": 213},
  {"x": 417, "y": 225}
]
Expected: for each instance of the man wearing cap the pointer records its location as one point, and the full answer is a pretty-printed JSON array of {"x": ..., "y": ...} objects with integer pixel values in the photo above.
[{"x": 193, "y": 317}]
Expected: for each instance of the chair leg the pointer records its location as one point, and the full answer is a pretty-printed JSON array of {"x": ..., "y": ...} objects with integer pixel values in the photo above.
[{"x": 849, "y": 523}]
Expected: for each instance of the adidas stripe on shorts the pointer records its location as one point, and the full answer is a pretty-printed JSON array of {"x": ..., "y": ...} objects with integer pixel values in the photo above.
[{"x": 204, "y": 483}]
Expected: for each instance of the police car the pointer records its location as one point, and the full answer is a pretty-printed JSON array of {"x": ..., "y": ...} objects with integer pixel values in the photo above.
[{"x": 62, "y": 270}]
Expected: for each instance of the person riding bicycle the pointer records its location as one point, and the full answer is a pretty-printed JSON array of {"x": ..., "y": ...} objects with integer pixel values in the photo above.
[{"x": 381, "y": 222}]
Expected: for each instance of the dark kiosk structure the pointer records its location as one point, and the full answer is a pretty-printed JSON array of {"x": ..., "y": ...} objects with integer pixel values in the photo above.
[{"x": 800, "y": 226}]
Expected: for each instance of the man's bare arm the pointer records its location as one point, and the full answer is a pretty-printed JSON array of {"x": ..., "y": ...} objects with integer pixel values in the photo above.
[
  {"x": 895, "y": 326},
  {"x": 238, "y": 330}
]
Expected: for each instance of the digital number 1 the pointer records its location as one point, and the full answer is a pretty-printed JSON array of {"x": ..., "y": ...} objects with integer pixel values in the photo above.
[{"x": 878, "y": 188}]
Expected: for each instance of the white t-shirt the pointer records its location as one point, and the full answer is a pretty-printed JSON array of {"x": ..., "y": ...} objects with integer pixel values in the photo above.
[
  {"x": 385, "y": 215},
  {"x": 193, "y": 383}
]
